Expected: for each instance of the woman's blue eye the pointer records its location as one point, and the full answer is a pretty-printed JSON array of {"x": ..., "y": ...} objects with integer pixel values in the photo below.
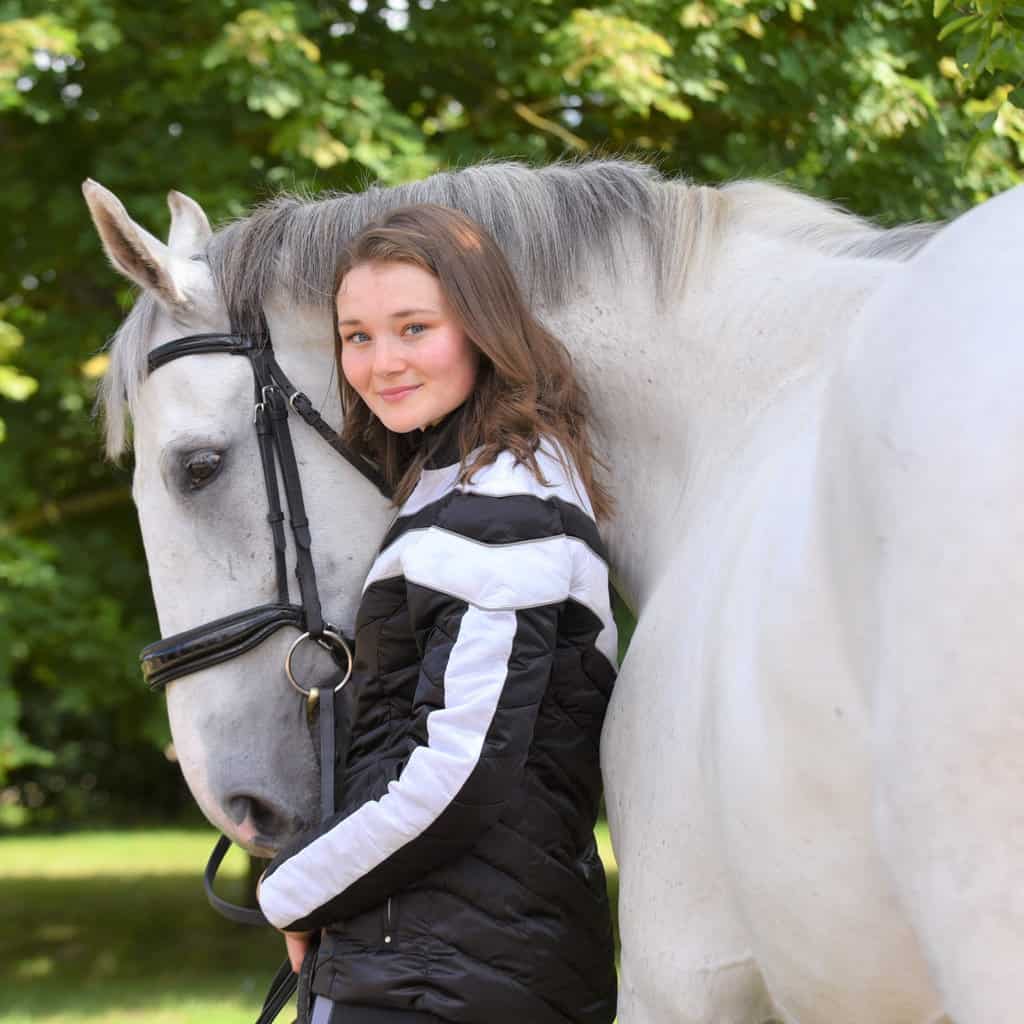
[
  {"x": 356, "y": 337},
  {"x": 416, "y": 328}
]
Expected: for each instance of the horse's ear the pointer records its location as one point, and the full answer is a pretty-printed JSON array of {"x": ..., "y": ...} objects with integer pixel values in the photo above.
[
  {"x": 190, "y": 228},
  {"x": 133, "y": 250}
]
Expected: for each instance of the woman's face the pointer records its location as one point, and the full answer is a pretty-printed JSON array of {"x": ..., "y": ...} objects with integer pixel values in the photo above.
[{"x": 401, "y": 348}]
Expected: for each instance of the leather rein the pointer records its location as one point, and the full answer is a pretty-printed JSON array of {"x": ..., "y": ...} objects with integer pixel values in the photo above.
[{"x": 232, "y": 635}]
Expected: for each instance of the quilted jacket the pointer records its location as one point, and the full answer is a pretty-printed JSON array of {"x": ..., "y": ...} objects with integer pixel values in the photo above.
[{"x": 460, "y": 876}]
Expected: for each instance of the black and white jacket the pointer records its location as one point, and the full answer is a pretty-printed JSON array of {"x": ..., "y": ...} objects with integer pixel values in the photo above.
[{"x": 460, "y": 876}]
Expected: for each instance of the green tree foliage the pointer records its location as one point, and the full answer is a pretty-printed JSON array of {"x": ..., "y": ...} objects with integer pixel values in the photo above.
[
  {"x": 234, "y": 100},
  {"x": 14, "y": 385},
  {"x": 989, "y": 40},
  {"x": 991, "y": 33}
]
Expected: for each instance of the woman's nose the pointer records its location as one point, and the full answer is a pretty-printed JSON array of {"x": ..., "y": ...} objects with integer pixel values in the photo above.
[{"x": 387, "y": 357}]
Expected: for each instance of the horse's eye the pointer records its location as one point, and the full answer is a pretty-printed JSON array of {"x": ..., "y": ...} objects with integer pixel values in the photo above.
[{"x": 201, "y": 467}]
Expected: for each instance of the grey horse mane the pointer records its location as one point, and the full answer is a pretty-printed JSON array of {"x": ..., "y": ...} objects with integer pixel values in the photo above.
[{"x": 552, "y": 223}]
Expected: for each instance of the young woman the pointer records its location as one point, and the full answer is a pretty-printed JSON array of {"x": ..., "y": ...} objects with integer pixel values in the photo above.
[{"x": 460, "y": 880}]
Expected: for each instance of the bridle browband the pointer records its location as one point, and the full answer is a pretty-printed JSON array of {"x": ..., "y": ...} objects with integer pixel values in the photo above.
[{"x": 232, "y": 635}]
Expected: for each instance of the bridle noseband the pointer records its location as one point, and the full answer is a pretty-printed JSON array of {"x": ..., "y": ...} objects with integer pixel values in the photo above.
[{"x": 232, "y": 635}]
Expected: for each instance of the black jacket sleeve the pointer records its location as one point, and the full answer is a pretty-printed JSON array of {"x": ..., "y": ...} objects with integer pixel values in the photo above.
[{"x": 484, "y": 587}]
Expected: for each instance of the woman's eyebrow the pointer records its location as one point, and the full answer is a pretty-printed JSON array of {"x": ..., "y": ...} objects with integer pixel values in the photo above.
[
  {"x": 410, "y": 312},
  {"x": 397, "y": 315}
]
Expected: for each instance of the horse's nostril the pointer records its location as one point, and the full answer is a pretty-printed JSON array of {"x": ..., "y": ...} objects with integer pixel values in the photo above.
[
  {"x": 238, "y": 808},
  {"x": 265, "y": 819}
]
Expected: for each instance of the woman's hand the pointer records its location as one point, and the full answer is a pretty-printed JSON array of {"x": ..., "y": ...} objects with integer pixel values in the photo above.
[{"x": 297, "y": 944}]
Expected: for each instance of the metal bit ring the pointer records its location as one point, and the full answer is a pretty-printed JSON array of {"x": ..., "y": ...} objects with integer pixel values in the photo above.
[{"x": 330, "y": 641}]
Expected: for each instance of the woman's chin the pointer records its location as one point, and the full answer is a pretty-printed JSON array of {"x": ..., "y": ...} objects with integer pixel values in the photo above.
[
  {"x": 403, "y": 421},
  {"x": 400, "y": 426}
]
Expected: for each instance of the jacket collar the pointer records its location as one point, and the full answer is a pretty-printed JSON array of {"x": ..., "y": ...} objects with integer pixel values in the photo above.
[{"x": 442, "y": 441}]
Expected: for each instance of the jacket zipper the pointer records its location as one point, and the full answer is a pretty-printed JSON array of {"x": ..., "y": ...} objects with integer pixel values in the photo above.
[{"x": 387, "y": 925}]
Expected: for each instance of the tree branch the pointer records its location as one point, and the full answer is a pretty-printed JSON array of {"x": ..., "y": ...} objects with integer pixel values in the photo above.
[
  {"x": 51, "y": 512},
  {"x": 552, "y": 127}
]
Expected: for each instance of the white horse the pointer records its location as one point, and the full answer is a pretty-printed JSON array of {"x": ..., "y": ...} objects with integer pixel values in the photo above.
[{"x": 813, "y": 759}]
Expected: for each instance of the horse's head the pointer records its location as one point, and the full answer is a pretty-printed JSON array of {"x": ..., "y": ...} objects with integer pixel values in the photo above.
[{"x": 240, "y": 730}]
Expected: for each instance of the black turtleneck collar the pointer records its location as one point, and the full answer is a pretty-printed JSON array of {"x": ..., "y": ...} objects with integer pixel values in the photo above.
[{"x": 442, "y": 440}]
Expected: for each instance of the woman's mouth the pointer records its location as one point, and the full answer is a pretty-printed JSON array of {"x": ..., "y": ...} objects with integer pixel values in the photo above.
[{"x": 396, "y": 394}]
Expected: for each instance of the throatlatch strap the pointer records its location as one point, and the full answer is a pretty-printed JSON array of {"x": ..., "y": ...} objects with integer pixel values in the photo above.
[{"x": 307, "y": 411}]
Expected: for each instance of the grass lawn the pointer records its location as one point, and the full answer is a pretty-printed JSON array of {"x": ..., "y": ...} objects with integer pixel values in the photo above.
[{"x": 113, "y": 927}]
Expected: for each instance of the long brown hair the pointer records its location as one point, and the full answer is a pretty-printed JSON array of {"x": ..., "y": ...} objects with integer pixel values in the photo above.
[{"x": 525, "y": 387}]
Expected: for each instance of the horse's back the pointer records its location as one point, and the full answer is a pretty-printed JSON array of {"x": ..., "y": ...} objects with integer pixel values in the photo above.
[{"x": 927, "y": 427}]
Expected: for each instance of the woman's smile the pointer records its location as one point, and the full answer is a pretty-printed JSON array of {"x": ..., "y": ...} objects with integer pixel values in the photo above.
[{"x": 397, "y": 394}]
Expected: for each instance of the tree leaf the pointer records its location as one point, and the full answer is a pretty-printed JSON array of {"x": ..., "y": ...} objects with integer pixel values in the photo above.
[
  {"x": 16, "y": 386},
  {"x": 960, "y": 23}
]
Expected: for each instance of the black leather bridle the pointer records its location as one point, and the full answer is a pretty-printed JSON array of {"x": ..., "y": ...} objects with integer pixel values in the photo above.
[
  {"x": 222, "y": 639},
  {"x": 228, "y": 637}
]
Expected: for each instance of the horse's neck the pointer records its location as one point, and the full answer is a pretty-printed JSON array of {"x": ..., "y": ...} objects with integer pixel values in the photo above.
[
  {"x": 304, "y": 345},
  {"x": 678, "y": 392}
]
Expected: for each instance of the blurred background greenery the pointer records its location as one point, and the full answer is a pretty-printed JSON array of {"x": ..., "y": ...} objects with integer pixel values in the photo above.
[{"x": 899, "y": 109}]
